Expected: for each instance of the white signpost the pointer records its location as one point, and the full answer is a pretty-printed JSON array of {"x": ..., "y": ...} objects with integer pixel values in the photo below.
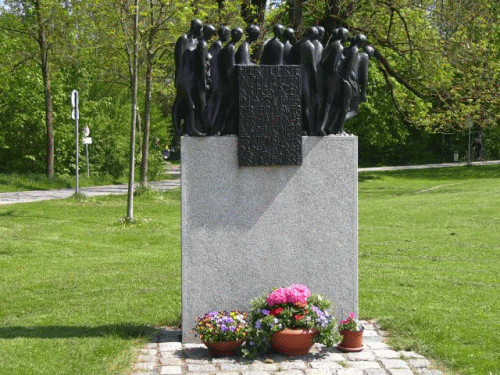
[
  {"x": 75, "y": 116},
  {"x": 87, "y": 141}
]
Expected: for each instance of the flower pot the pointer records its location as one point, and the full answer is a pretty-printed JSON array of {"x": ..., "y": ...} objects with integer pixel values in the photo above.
[
  {"x": 351, "y": 341},
  {"x": 223, "y": 348},
  {"x": 293, "y": 341}
]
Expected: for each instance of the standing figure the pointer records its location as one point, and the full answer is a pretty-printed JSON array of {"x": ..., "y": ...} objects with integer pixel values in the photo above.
[
  {"x": 361, "y": 77},
  {"x": 288, "y": 41},
  {"x": 364, "y": 62},
  {"x": 215, "y": 76},
  {"x": 183, "y": 109},
  {"x": 318, "y": 47},
  {"x": 331, "y": 82},
  {"x": 243, "y": 53},
  {"x": 273, "y": 49},
  {"x": 349, "y": 87},
  {"x": 202, "y": 76},
  {"x": 224, "y": 34},
  {"x": 303, "y": 54},
  {"x": 224, "y": 94}
]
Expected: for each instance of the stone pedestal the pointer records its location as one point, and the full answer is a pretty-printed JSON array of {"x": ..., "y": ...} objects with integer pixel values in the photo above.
[{"x": 248, "y": 229}]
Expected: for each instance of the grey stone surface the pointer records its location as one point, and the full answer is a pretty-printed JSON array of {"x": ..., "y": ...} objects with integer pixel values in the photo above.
[
  {"x": 318, "y": 372},
  {"x": 400, "y": 372},
  {"x": 394, "y": 363},
  {"x": 171, "y": 370},
  {"x": 246, "y": 230},
  {"x": 428, "y": 372},
  {"x": 420, "y": 362},
  {"x": 362, "y": 364},
  {"x": 375, "y": 371},
  {"x": 350, "y": 371},
  {"x": 387, "y": 353}
]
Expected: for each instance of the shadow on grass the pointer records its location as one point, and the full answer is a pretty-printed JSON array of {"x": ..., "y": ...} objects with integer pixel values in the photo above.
[
  {"x": 362, "y": 177},
  {"x": 124, "y": 331}
]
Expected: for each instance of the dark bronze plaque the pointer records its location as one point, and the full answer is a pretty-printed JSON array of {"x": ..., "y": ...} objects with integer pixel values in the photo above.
[{"x": 270, "y": 115}]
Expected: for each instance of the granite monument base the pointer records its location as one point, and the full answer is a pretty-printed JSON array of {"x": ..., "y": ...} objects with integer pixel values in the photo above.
[{"x": 246, "y": 230}]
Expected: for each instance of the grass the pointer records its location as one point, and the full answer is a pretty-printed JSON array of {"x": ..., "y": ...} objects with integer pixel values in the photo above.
[
  {"x": 79, "y": 288},
  {"x": 429, "y": 262}
]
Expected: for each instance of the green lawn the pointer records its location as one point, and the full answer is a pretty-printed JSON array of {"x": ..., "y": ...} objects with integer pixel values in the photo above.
[
  {"x": 429, "y": 262},
  {"x": 79, "y": 289}
]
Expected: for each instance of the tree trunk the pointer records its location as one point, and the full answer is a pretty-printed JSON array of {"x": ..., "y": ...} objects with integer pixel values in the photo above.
[
  {"x": 42, "y": 42},
  {"x": 130, "y": 200},
  {"x": 295, "y": 14},
  {"x": 147, "y": 105},
  {"x": 147, "y": 122}
]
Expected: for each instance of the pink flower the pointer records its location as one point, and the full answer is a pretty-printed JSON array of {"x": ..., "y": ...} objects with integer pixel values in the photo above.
[
  {"x": 297, "y": 293},
  {"x": 276, "y": 297},
  {"x": 352, "y": 316}
]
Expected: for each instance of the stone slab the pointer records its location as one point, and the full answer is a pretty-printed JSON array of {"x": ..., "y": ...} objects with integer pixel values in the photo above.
[{"x": 248, "y": 229}]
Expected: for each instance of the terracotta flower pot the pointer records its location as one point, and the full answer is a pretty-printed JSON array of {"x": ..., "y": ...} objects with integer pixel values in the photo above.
[
  {"x": 293, "y": 341},
  {"x": 223, "y": 348},
  {"x": 351, "y": 341}
]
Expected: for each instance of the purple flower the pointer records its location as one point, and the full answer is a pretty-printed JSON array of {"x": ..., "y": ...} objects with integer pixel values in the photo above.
[
  {"x": 212, "y": 314},
  {"x": 265, "y": 312},
  {"x": 223, "y": 328},
  {"x": 232, "y": 328},
  {"x": 258, "y": 325}
]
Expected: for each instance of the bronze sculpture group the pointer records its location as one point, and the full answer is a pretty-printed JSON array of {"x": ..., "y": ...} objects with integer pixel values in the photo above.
[{"x": 333, "y": 77}]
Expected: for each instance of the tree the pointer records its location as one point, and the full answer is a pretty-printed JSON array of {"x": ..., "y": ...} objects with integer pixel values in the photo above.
[
  {"x": 134, "y": 79},
  {"x": 38, "y": 20}
]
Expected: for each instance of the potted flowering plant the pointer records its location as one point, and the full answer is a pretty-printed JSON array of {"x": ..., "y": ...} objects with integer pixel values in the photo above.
[
  {"x": 222, "y": 332},
  {"x": 352, "y": 334},
  {"x": 289, "y": 320}
]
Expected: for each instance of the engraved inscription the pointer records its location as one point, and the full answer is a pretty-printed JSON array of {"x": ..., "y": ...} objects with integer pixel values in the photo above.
[{"x": 270, "y": 115}]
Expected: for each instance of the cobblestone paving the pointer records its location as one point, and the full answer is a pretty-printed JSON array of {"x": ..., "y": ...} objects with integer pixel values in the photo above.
[{"x": 166, "y": 355}]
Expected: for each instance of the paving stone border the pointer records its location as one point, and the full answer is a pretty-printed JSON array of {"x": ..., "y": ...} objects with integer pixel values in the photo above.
[{"x": 166, "y": 355}]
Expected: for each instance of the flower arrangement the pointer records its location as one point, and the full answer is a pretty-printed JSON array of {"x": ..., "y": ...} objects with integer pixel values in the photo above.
[
  {"x": 222, "y": 326},
  {"x": 350, "y": 324},
  {"x": 293, "y": 307}
]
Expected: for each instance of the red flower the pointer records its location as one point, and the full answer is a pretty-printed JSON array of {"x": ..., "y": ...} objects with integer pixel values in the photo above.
[
  {"x": 277, "y": 311},
  {"x": 298, "y": 317},
  {"x": 301, "y": 304}
]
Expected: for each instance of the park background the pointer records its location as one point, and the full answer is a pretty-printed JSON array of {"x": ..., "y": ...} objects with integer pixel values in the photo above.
[
  {"x": 435, "y": 66},
  {"x": 78, "y": 282}
]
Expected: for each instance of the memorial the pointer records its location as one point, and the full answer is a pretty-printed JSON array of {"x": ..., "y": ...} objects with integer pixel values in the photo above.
[{"x": 269, "y": 177}]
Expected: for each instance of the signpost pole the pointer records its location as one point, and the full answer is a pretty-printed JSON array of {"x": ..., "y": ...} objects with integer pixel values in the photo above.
[
  {"x": 87, "y": 156},
  {"x": 86, "y": 131},
  {"x": 75, "y": 116}
]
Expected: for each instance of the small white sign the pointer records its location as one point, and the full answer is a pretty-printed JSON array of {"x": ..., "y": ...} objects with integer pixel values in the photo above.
[
  {"x": 87, "y": 140},
  {"x": 74, "y": 99}
]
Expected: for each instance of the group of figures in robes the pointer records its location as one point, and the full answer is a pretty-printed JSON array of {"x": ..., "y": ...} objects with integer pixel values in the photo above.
[{"x": 334, "y": 77}]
